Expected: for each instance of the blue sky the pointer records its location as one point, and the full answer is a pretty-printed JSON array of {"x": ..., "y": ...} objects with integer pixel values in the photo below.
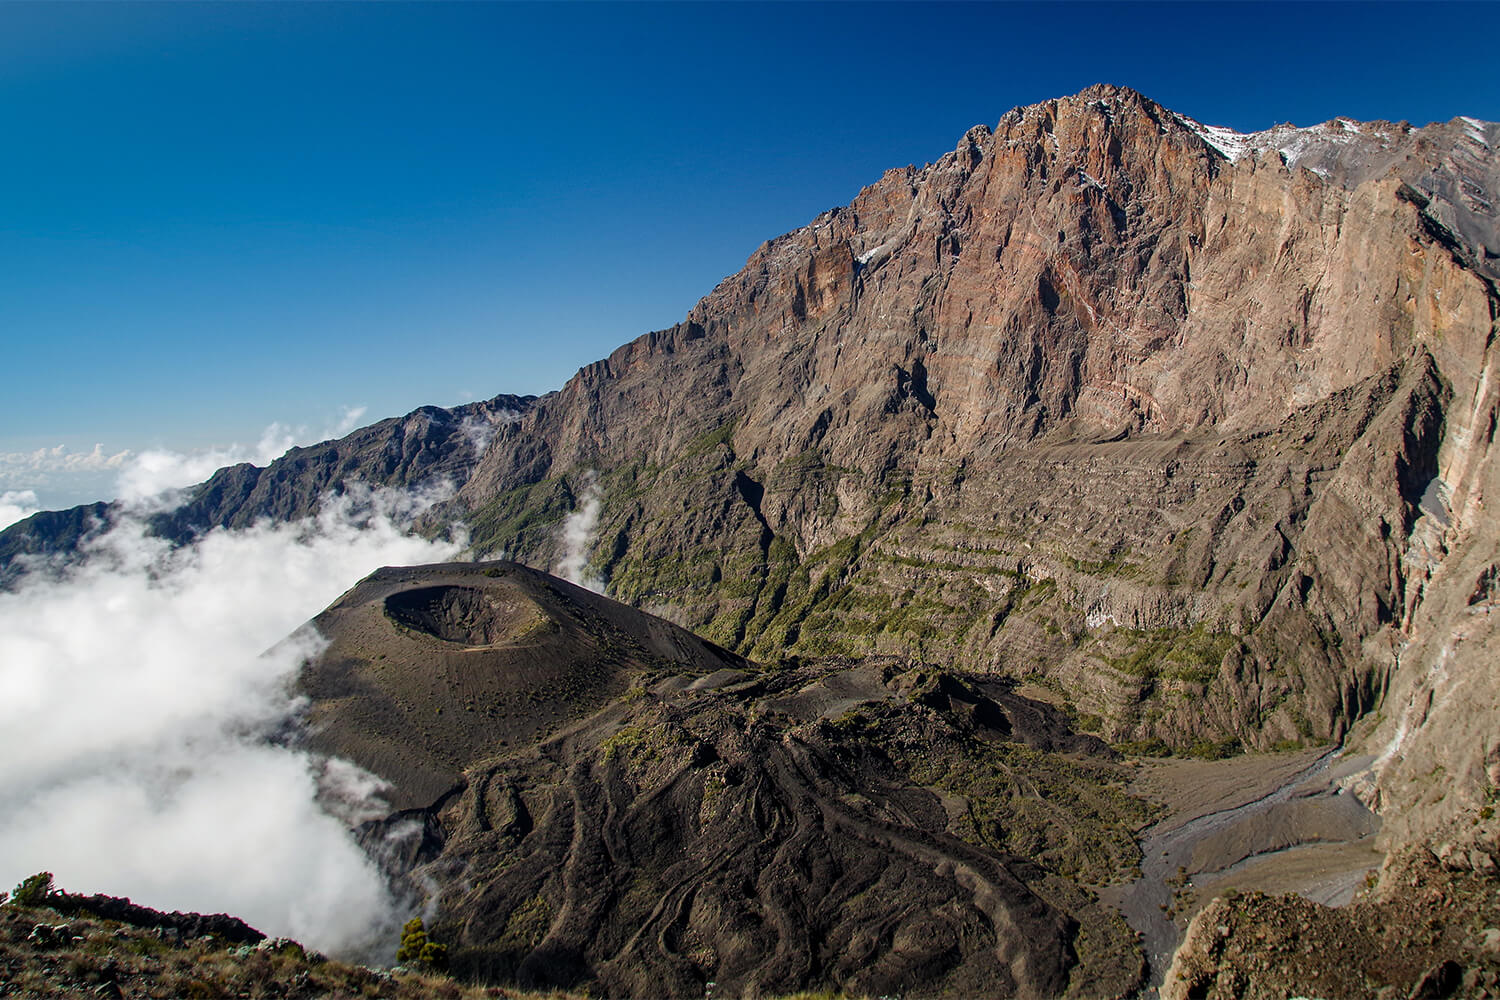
[{"x": 223, "y": 216}]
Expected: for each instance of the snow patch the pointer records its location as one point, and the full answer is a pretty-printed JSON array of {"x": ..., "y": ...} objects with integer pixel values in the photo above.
[
  {"x": 876, "y": 254},
  {"x": 1292, "y": 142},
  {"x": 1226, "y": 140},
  {"x": 1474, "y": 129}
]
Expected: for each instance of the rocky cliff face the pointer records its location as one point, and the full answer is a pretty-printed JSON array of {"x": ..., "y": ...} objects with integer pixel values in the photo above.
[
  {"x": 1194, "y": 428},
  {"x": 1103, "y": 396}
]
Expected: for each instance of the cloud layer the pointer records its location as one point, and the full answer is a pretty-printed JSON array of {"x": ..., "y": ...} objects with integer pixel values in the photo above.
[
  {"x": 79, "y": 476},
  {"x": 67, "y": 477},
  {"x": 136, "y": 702}
]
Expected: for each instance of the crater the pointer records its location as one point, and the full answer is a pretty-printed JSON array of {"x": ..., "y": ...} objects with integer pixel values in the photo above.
[{"x": 454, "y": 614}]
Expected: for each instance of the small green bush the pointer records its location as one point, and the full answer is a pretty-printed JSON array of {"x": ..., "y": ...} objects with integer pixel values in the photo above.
[
  {"x": 434, "y": 956},
  {"x": 417, "y": 949},
  {"x": 413, "y": 939},
  {"x": 33, "y": 891}
]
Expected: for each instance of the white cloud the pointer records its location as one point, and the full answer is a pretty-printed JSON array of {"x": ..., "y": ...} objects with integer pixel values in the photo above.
[
  {"x": 479, "y": 429},
  {"x": 578, "y": 535},
  {"x": 135, "y": 695},
  {"x": 151, "y": 476},
  {"x": 140, "y": 476},
  {"x": 61, "y": 471},
  {"x": 17, "y": 505},
  {"x": 347, "y": 422}
]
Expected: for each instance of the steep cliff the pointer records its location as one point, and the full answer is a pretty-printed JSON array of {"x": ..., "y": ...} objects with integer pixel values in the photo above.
[{"x": 1103, "y": 396}]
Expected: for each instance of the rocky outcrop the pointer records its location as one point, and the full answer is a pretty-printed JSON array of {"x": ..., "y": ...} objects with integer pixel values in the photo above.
[
  {"x": 1431, "y": 930},
  {"x": 103, "y": 946},
  {"x": 177, "y": 925}
]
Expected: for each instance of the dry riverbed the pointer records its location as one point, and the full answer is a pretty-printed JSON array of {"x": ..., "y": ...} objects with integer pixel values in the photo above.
[{"x": 1276, "y": 823}]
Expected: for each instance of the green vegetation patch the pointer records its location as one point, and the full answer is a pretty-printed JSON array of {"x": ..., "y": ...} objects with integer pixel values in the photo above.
[
  {"x": 1192, "y": 655},
  {"x": 1071, "y": 815},
  {"x": 1111, "y": 566},
  {"x": 709, "y": 440},
  {"x": 527, "y": 925},
  {"x": 642, "y": 746},
  {"x": 521, "y": 520}
]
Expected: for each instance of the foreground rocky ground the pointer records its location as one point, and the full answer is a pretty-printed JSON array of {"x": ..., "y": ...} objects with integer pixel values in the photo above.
[
  {"x": 1428, "y": 927},
  {"x": 620, "y": 806},
  {"x": 73, "y": 953},
  {"x": 66, "y": 948}
]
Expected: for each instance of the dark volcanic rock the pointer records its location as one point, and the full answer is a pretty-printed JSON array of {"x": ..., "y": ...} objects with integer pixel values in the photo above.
[
  {"x": 594, "y": 798},
  {"x": 184, "y": 925},
  {"x": 699, "y": 834},
  {"x": 430, "y": 668}
]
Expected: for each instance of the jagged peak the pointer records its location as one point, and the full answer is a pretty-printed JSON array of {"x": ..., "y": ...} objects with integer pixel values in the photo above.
[
  {"x": 1107, "y": 96},
  {"x": 1114, "y": 94},
  {"x": 977, "y": 135}
]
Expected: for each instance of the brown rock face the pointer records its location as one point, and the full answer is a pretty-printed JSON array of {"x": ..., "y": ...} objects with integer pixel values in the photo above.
[
  {"x": 1084, "y": 399},
  {"x": 1428, "y": 931}
]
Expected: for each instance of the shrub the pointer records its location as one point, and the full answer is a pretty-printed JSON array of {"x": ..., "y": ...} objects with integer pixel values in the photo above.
[
  {"x": 435, "y": 956},
  {"x": 33, "y": 891},
  {"x": 416, "y": 948},
  {"x": 413, "y": 939}
]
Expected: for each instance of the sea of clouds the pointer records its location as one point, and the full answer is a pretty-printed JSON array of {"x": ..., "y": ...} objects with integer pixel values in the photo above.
[
  {"x": 140, "y": 686},
  {"x": 55, "y": 477}
]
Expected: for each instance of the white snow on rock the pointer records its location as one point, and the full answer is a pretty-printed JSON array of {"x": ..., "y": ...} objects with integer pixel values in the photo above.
[
  {"x": 1474, "y": 129},
  {"x": 1291, "y": 142},
  {"x": 1226, "y": 140}
]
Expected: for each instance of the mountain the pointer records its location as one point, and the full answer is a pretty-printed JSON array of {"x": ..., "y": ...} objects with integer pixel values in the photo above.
[
  {"x": 508, "y": 653},
  {"x": 594, "y": 798},
  {"x": 1193, "y": 430},
  {"x": 431, "y": 447}
]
